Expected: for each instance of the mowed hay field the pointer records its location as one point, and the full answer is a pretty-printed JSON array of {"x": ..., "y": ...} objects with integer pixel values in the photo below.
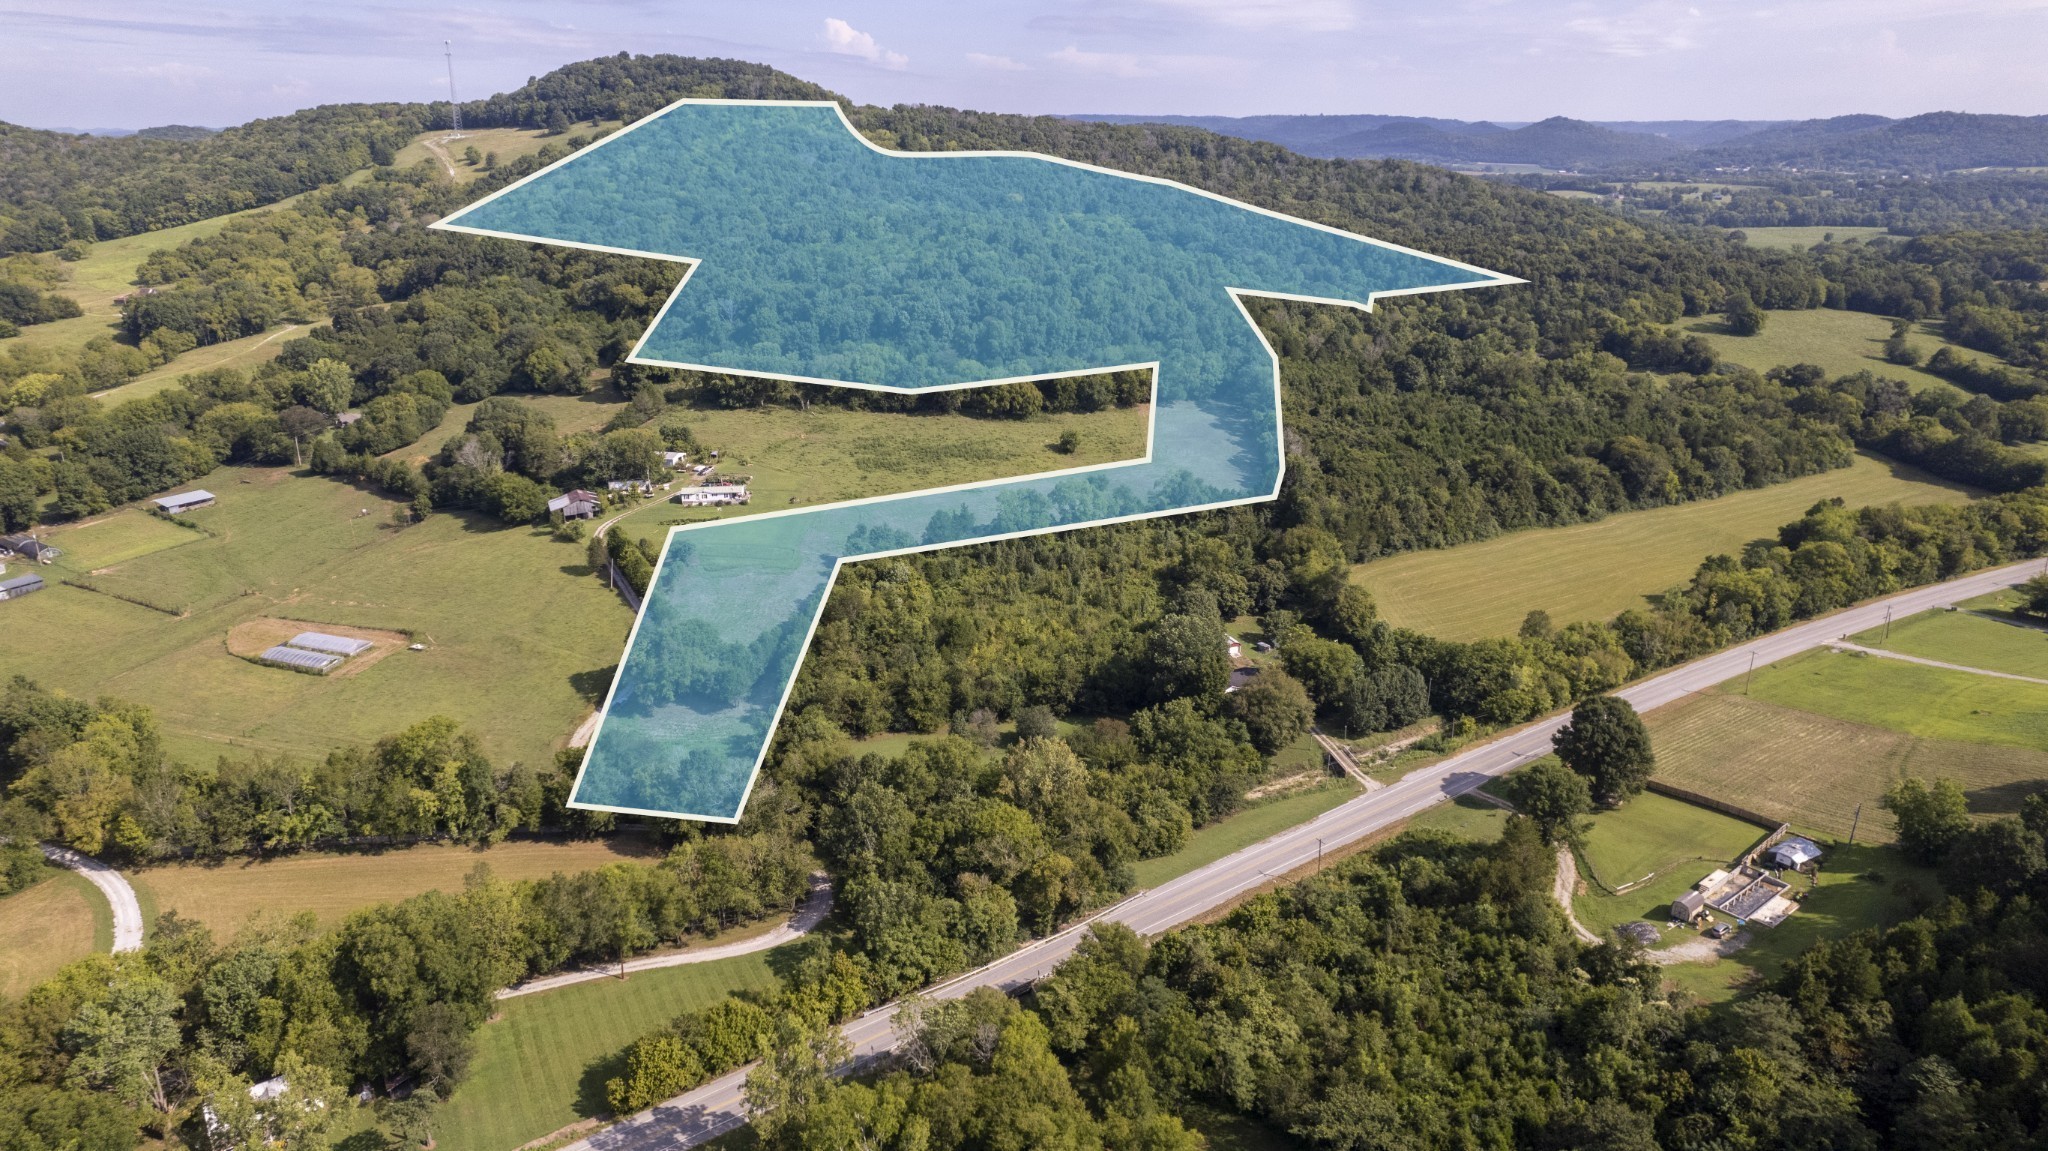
[
  {"x": 1811, "y": 755},
  {"x": 330, "y": 885},
  {"x": 1598, "y": 570},
  {"x": 1840, "y": 343},
  {"x": 59, "y": 920},
  {"x": 541, "y": 1063}
]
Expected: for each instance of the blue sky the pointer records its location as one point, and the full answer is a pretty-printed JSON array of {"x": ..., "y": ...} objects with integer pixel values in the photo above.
[{"x": 129, "y": 63}]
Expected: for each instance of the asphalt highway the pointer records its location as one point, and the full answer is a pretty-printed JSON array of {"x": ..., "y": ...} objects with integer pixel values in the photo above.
[{"x": 719, "y": 1106}]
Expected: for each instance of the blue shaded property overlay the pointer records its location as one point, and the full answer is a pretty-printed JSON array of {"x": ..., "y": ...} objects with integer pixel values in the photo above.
[{"x": 824, "y": 259}]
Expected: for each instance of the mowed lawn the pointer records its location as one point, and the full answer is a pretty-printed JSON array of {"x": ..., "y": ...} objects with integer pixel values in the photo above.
[
  {"x": 224, "y": 895},
  {"x": 1841, "y": 343},
  {"x": 1996, "y": 642},
  {"x": 61, "y": 919},
  {"x": 518, "y": 638},
  {"x": 1652, "y": 834},
  {"x": 1598, "y": 570},
  {"x": 542, "y": 1062},
  {"x": 1244, "y": 828},
  {"x": 1661, "y": 845}
]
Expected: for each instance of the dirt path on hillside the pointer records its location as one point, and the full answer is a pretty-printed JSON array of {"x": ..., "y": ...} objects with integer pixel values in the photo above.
[{"x": 1563, "y": 886}]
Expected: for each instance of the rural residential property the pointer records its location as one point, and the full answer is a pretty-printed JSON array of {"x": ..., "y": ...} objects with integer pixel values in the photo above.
[{"x": 1301, "y": 576}]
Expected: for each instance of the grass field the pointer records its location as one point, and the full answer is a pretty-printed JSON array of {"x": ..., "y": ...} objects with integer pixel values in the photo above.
[
  {"x": 1930, "y": 702},
  {"x": 478, "y": 596},
  {"x": 1803, "y": 238},
  {"x": 61, "y": 919},
  {"x": 224, "y": 895},
  {"x": 1815, "y": 770},
  {"x": 1652, "y": 834},
  {"x": 445, "y": 150},
  {"x": 823, "y": 455},
  {"x": 542, "y": 1062},
  {"x": 108, "y": 270},
  {"x": 1597, "y": 570},
  {"x": 247, "y": 352},
  {"x": 1841, "y": 343},
  {"x": 1968, "y": 638}
]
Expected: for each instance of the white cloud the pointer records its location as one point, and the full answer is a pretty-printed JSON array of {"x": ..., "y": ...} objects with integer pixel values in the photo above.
[
  {"x": 996, "y": 63},
  {"x": 1131, "y": 66},
  {"x": 181, "y": 75},
  {"x": 1121, "y": 64},
  {"x": 1266, "y": 15},
  {"x": 847, "y": 40}
]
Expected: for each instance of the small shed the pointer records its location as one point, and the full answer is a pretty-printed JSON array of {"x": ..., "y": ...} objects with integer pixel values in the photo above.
[
  {"x": 674, "y": 459},
  {"x": 184, "y": 501},
  {"x": 1241, "y": 678},
  {"x": 20, "y": 586},
  {"x": 1234, "y": 646},
  {"x": 1688, "y": 907},
  {"x": 344, "y": 419},
  {"x": 1794, "y": 851},
  {"x": 575, "y": 505}
]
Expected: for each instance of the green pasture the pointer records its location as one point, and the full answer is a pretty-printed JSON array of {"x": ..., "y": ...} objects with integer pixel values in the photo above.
[
  {"x": 1597, "y": 570},
  {"x": 542, "y": 1061},
  {"x": 58, "y": 920},
  {"x": 108, "y": 270},
  {"x": 519, "y": 639},
  {"x": 824, "y": 455},
  {"x": 1807, "y": 748},
  {"x": 1915, "y": 699},
  {"x": 1840, "y": 343},
  {"x": 1801, "y": 238},
  {"x": 246, "y": 352},
  {"x": 508, "y": 143},
  {"x": 1993, "y": 640}
]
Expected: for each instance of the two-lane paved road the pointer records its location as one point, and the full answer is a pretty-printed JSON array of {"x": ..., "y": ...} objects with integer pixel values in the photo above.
[{"x": 718, "y": 1106}]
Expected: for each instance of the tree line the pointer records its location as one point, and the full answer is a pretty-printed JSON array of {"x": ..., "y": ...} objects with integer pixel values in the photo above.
[{"x": 167, "y": 1041}]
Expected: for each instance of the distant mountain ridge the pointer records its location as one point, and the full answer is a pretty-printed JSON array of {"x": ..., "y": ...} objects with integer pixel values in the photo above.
[{"x": 1925, "y": 144}]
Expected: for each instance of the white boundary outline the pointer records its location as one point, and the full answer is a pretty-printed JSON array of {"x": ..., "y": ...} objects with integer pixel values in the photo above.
[{"x": 1489, "y": 279}]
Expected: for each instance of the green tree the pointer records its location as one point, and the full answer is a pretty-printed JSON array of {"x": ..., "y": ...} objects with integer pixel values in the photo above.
[
  {"x": 1554, "y": 797},
  {"x": 1188, "y": 657},
  {"x": 2034, "y": 596},
  {"x": 18, "y": 492},
  {"x": 795, "y": 1076},
  {"x": 327, "y": 385},
  {"x": 1606, "y": 742},
  {"x": 1326, "y": 668},
  {"x": 1928, "y": 820},
  {"x": 657, "y": 1067},
  {"x": 122, "y": 1041},
  {"x": 1274, "y": 708},
  {"x": 1742, "y": 315}
]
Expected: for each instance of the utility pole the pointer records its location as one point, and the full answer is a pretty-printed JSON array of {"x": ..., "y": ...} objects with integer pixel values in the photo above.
[
  {"x": 1887, "y": 624},
  {"x": 1746, "y": 676},
  {"x": 1854, "y": 824},
  {"x": 454, "y": 109},
  {"x": 1319, "y": 853}
]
